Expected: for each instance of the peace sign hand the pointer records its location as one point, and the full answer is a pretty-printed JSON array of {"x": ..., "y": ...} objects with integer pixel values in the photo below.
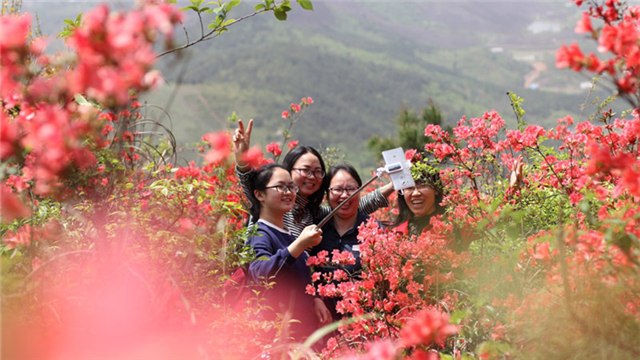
[
  {"x": 516, "y": 174},
  {"x": 242, "y": 141}
]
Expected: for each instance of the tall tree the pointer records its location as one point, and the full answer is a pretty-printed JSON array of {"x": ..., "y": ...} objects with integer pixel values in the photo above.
[{"x": 410, "y": 130}]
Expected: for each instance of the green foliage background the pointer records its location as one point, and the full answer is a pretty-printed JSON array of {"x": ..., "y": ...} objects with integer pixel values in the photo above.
[{"x": 360, "y": 62}]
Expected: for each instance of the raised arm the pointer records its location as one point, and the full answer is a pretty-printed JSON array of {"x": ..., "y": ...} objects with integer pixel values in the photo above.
[
  {"x": 270, "y": 259},
  {"x": 376, "y": 199},
  {"x": 241, "y": 143},
  {"x": 369, "y": 203}
]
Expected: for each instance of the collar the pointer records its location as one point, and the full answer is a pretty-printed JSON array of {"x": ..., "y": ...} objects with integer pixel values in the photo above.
[
  {"x": 271, "y": 225},
  {"x": 360, "y": 218},
  {"x": 301, "y": 201}
]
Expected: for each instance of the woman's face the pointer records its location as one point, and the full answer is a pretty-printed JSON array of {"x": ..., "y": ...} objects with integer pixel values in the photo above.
[
  {"x": 342, "y": 185},
  {"x": 420, "y": 199},
  {"x": 303, "y": 174},
  {"x": 273, "y": 200}
]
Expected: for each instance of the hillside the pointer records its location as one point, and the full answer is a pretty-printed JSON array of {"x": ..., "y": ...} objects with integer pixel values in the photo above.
[{"x": 360, "y": 61}]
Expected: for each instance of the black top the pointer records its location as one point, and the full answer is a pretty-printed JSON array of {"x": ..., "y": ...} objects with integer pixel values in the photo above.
[{"x": 331, "y": 240}]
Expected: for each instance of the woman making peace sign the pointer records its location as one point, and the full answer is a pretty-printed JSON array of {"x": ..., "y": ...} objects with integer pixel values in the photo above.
[{"x": 308, "y": 172}]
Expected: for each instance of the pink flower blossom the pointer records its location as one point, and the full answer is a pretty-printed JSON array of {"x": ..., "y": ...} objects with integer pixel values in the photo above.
[
  {"x": 253, "y": 157},
  {"x": 274, "y": 148},
  {"x": 12, "y": 207},
  {"x": 570, "y": 57},
  {"x": 584, "y": 24},
  {"x": 427, "y": 327},
  {"x": 15, "y": 31},
  {"x": 220, "y": 147}
]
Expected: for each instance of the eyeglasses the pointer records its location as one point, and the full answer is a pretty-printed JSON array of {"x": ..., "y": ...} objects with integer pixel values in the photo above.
[
  {"x": 318, "y": 174},
  {"x": 421, "y": 188},
  {"x": 339, "y": 191},
  {"x": 283, "y": 189}
]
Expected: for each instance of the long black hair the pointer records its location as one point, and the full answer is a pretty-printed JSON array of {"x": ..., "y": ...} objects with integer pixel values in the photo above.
[
  {"x": 431, "y": 179},
  {"x": 258, "y": 180},
  {"x": 315, "y": 199},
  {"x": 342, "y": 167}
]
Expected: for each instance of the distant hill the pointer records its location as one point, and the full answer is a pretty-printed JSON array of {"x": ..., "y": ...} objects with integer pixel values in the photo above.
[{"x": 361, "y": 60}]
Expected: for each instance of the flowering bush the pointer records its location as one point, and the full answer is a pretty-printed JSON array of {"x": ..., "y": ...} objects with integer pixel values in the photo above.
[
  {"x": 107, "y": 245},
  {"x": 399, "y": 277},
  {"x": 104, "y": 241}
]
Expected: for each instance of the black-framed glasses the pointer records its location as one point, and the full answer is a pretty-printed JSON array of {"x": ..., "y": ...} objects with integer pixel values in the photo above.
[
  {"x": 338, "y": 191},
  {"x": 283, "y": 189},
  {"x": 318, "y": 174},
  {"x": 421, "y": 188}
]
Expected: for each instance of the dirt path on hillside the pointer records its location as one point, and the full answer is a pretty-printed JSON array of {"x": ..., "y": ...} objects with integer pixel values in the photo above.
[{"x": 531, "y": 77}]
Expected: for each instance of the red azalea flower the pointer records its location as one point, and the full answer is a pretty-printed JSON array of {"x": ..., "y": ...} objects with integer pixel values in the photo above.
[
  {"x": 427, "y": 327},
  {"x": 584, "y": 24},
  {"x": 274, "y": 148},
  {"x": 12, "y": 207},
  {"x": 254, "y": 157}
]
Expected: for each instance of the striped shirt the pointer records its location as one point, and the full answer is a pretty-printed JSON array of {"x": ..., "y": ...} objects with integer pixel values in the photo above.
[{"x": 368, "y": 204}]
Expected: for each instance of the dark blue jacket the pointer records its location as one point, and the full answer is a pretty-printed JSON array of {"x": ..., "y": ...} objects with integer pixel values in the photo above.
[{"x": 291, "y": 275}]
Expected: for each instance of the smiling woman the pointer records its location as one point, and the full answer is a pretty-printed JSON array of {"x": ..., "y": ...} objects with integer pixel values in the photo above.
[
  {"x": 341, "y": 232},
  {"x": 308, "y": 172},
  {"x": 419, "y": 203},
  {"x": 280, "y": 257}
]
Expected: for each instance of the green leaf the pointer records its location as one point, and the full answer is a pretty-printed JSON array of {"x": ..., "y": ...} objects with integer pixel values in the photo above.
[
  {"x": 232, "y": 4},
  {"x": 285, "y": 6},
  {"x": 305, "y": 4},
  {"x": 259, "y": 7},
  {"x": 459, "y": 315},
  {"x": 81, "y": 100},
  {"x": 280, "y": 14},
  {"x": 327, "y": 329},
  {"x": 229, "y": 22}
]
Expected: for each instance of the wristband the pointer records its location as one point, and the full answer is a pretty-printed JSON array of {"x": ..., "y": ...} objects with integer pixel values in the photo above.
[{"x": 243, "y": 168}]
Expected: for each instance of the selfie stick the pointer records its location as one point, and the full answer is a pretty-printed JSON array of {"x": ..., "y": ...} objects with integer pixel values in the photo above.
[{"x": 398, "y": 168}]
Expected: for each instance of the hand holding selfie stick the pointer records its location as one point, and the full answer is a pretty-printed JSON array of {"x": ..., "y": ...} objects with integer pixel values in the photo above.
[{"x": 398, "y": 168}]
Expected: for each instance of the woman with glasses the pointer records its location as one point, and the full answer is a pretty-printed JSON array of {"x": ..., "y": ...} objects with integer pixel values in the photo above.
[
  {"x": 308, "y": 172},
  {"x": 418, "y": 204},
  {"x": 281, "y": 257},
  {"x": 341, "y": 231}
]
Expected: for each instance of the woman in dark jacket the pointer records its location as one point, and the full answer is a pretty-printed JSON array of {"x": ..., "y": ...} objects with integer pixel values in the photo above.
[{"x": 281, "y": 257}]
